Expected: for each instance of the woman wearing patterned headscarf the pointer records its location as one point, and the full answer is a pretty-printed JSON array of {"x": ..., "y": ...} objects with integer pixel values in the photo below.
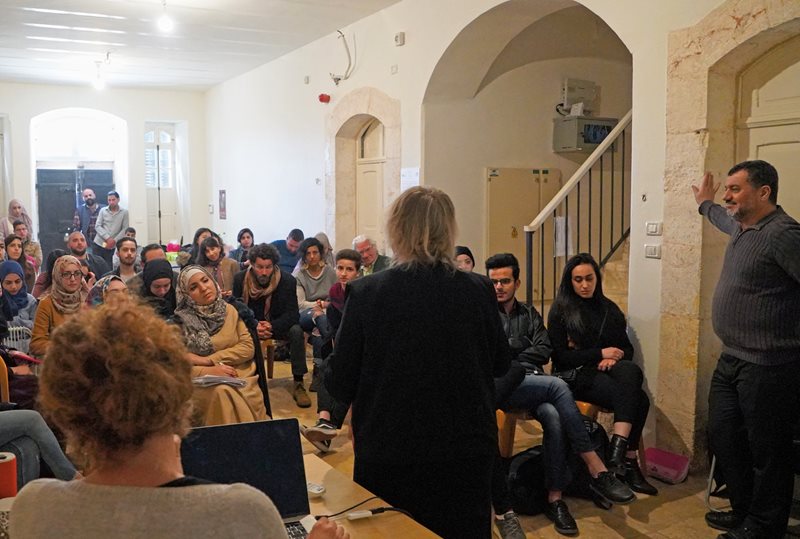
[
  {"x": 219, "y": 344},
  {"x": 65, "y": 299},
  {"x": 105, "y": 289},
  {"x": 16, "y": 212},
  {"x": 21, "y": 305}
]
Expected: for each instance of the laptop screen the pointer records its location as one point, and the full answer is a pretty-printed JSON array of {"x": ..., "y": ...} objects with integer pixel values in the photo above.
[{"x": 265, "y": 455}]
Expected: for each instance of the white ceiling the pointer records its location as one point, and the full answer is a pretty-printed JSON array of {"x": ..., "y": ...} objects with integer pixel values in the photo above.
[{"x": 60, "y": 41}]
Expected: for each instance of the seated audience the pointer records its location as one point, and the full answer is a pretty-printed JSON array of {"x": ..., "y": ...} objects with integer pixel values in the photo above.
[
  {"x": 589, "y": 334},
  {"x": 16, "y": 212},
  {"x": 151, "y": 251},
  {"x": 219, "y": 344},
  {"x": 124, "y": 404},
  {"x": 371, "y": 260},
  {"x": 77, "y": 248},
  {"x": 330, "y": 412},
  {"x": 550, "y": 401},
  {"x": 28, "y": 423},
  {"x": 22, "y": 306},
  {"x": 240, "y": 254},
  {"x": 15, "y": 252},
  {"x": 288, "y": 249},
  {"x": 223, "y": 269},
  {"x": 106, "y": 289},
  {"x": 31, "y": 248},
  {"x": 45, "y": 280},
  {"x": 126, "y": 256},
  {"x": 314, "y": 280},
  {"x": 158, "y": 287},
  {"x": 464, "y": 259},
  {"x": 130, "y": 232},
  {"x": 65, "y": 299},
  {"x": 271, "y": 293}
]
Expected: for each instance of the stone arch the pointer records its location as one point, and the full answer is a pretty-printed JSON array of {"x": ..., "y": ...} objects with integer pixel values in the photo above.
[
  {"x": 703, "y": 65},
  {"x": 343, "y": 125}
]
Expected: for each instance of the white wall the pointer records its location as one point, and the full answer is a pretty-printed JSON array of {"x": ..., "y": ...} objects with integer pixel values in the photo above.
[{"x": 22, "y": 102}]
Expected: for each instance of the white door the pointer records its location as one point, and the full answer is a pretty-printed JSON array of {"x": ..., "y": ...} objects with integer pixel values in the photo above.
[
  {"x": 369, "y": 199},
  {"x": 163, "y": 219},
  {"x": 780, "y": 146}
]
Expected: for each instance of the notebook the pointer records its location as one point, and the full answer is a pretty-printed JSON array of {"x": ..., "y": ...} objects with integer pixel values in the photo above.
[{"x": 265, "y": 455}]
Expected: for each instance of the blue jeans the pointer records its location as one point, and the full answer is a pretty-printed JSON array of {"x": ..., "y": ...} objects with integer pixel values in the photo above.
[
  {"x": 308, "y": 323},
  {"x": 17, "y": 423},
  {"x": 550, "y": 401}
]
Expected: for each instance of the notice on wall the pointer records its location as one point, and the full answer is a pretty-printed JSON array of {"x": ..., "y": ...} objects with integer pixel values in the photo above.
[
  {"x": 409, "y": 177},
  {"x": 223, "y": 209}
]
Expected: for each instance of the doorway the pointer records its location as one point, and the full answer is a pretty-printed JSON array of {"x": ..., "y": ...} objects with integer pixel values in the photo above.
[{"x": 369, "y": 181}]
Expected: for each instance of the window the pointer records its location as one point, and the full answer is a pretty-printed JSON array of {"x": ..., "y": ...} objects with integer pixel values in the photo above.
[{"x": 159, "y": 144}]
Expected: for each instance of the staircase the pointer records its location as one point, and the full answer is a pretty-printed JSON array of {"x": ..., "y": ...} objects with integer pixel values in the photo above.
[{"x": 591, "y": 213}]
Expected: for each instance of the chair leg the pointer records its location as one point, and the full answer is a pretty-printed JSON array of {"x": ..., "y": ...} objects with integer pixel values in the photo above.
[
  {"x": 506, "y": 430},
  {"x": 268, "y": 347}
]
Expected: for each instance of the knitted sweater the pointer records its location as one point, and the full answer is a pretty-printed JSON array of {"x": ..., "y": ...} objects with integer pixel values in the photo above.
[
  {"x": 310, "y": 289},
  {"x": 756, "y": 308}
]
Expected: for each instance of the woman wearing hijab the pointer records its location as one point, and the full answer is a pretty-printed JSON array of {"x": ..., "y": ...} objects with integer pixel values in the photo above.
[
  {"x": 14, "y": 251},
  {"x": 45, "y": 280},
  {"x": 22, "y": 306},
  {"x": 65, "y": 299},
  {"x": 212, "y": 257},
  {"x": 16, "y": 212},
  {"x": 158, "y": 287},
  {"x": 107, "y": 288},
  {"x": 219, "y": 344}
]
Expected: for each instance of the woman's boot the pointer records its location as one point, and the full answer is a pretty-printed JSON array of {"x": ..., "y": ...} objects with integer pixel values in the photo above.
[
  {"x": 635, "y": 479},
  {"x": 616, "y": 454}
]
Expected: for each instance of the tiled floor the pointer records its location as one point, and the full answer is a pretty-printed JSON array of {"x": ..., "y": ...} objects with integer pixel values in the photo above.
[{"x": 677, "y": 512}]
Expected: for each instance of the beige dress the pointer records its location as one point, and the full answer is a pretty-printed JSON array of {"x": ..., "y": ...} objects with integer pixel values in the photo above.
[{"x": 222, "y": 405}]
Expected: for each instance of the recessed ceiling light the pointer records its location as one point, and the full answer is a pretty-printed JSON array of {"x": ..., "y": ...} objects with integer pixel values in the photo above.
[
  {"x": 81, "y": 41},
  {"x": 164, "y": 22},
  {"x": 78, "y": 13},
  {"x": 76, "y": 28}
]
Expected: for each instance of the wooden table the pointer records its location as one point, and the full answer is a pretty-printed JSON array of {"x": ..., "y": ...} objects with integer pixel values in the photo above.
[{"x": 342, "y": 492}]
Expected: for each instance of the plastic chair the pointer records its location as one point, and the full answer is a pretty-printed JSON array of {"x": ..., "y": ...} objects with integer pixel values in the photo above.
[{"x": 18, "y": 337}]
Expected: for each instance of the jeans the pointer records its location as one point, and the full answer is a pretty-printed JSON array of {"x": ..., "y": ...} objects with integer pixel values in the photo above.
[
  {"x": 752, "y": 413},
  {"x": 17, "y": 423},
  {"x": 551, "y": 402},
  {"x": 308, "y": 323}
]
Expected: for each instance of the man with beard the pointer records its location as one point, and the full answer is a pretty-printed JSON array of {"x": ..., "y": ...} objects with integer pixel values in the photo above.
[
  {"x": 271, "y": 293},
  {"x": 86, "y": 216},
  {"x": 112, "y": 222},
  {"x": 126, "y": 252},
  {"x": 77, "y": 248}
]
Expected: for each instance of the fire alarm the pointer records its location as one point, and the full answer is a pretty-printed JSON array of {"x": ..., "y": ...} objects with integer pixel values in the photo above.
[{"x": 324, "y": 98}]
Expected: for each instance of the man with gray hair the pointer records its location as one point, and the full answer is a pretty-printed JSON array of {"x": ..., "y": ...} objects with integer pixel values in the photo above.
[{"x": 372, "y": 261}]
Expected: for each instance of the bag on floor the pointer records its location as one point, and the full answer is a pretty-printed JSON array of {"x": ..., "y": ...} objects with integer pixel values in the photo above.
[{"x": 526, "y": 482}]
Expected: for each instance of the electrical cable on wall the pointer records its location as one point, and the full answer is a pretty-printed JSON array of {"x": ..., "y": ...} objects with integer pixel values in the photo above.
[{"x": 350, "y": 65}]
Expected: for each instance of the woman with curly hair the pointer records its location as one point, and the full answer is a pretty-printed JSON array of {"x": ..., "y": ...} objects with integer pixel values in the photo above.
[{"x": 118, "y": 385}]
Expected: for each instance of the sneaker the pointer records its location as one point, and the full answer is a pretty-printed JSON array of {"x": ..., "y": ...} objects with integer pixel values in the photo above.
[
  {"x": 300, "y": 396},
  {"x": 323, "y": 430},
  {"x": 509, "y": 526},
  {"x": 322, "y": 444},
  {"x": 612, "y": 489},
  {"x": 558, "y": 512}
]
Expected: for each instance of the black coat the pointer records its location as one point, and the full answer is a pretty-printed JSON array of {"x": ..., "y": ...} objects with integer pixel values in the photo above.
[
  {"x": 415, "y": 354},
  {"x": 284, "y": 312}
]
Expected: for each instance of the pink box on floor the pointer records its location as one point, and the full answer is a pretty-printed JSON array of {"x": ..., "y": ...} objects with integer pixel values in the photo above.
[{"x": 669, "y": 467}]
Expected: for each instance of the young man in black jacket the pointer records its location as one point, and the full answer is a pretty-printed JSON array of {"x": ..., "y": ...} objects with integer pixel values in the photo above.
[{"x": 271, "y": 293}]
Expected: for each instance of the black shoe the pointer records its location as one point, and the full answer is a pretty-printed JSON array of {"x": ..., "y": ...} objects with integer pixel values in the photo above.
[
  {"x": 612, "y": 489},
  {"x": 635, "y": 479},
  {"x": 616, "y": 454},
  {"x": 723, "y": 520},
  {"x": 316, "y": 379},
  {"x": 558, "y": 512},
  {"x": 741, "y": 532}
]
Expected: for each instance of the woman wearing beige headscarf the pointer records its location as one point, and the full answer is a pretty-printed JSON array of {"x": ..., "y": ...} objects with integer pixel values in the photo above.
[
  {"x": 219, "y": 344},
  {"x": 16, "y": 212},
  {"x": 67, "y": 297}
]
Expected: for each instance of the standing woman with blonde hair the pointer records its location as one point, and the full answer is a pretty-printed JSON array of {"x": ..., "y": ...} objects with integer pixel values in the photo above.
[
  {"x": 16, "y": 212},
  {"x": 416, "y": 353}
]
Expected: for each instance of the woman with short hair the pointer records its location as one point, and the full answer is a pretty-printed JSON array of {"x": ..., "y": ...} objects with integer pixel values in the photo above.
[
  {"x": 223, "y": 269},
  {"x": 416, "y": 352}
]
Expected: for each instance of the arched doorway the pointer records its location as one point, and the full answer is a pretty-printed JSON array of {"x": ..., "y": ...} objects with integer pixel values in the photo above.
[
  {"x": 73, "y": 149},
  {"x": 363, "y": 165}
]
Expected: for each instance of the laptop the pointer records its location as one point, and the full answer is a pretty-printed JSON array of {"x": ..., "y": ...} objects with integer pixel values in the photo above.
[{"x": 265, "y": 455}]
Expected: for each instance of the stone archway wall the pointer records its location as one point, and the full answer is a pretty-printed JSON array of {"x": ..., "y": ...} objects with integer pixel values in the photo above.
[
  {"x": 703, "y": 65},
  {"x": 342, "y": 127}
]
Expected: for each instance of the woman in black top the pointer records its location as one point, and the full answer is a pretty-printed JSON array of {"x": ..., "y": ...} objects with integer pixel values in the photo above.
[{"x": 588, "y": 333}]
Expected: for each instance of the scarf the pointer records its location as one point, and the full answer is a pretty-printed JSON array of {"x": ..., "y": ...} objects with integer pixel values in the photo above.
[
  {"x": 154, "y": 270},
  {"x": 97, "y": 295},
  {"x": 253, "y": 290},
  {"x": 200, "y": 322},
  {"x": 20, "y": 299},
  {"x": 63, "y": 301},
  {"x": 23, "y": 216}
]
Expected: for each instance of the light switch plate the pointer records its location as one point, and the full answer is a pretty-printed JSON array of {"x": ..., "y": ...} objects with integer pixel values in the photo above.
[
  {"x": 652, "y": 251},
  {"x": 654, "y": 228}
]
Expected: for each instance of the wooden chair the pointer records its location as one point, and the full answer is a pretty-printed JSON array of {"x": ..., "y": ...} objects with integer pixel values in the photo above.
[
  {"x": 268, "y": 347},
  {"x": 5, "y": 392},
  {"x": 258, "y": 359},
  {"x": 507, "y": 428}
]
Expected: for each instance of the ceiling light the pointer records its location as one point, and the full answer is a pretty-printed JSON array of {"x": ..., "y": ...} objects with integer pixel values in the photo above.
[
  {"x": 165, "y": 23},
  {"x": 78, "y": 13},
  {"x": 99, "y": 81}
]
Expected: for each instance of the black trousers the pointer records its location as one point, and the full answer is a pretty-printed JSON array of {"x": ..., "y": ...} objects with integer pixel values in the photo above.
[
  {"x": 451, "y": 498},
  {"x": 297, "y": 349},
  {"x": 619, "y": 390},
  {"x": 752, "y": 413}
]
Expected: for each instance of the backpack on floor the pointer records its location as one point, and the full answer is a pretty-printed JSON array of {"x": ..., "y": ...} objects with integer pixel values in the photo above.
[
  {"x": 526, "y": 482},
  {"x": 579, "y": 486}
]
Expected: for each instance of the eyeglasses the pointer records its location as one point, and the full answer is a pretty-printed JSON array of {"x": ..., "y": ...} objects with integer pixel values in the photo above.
[
  {"x": 71, "y": 275},
  {"x": 505, "y": 281}
]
